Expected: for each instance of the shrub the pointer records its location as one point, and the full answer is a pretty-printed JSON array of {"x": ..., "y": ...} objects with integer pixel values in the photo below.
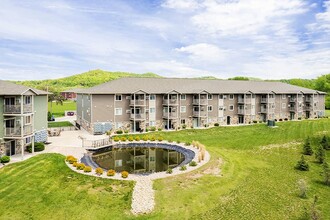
[
  {"x": 280, "y": 119},
  {"x": 152, "y": 128},
  {"x": 299, "y": 118},
  {"x": 137, "y": 138},
  {"x": 307, "y": 149},
  {"x": 152, "y": 138},
  {"x": 99, "y": 171},
  {"x": 119, "y": 132},
  {"x": 169, "y": 171},
  {"x": 216, "y": 124},
  {"x": 116, "y": 139},
  {"x": 81, "y": 166},
  {"x": 183, "y": 168},
  {"x": 124, "y": 174},
  {"x": 87, "y": 169},
  {"x": 325, "y": 144},
  {"x": 5, "y": 159},
  {"x": 302, "y": 187},
  {"x": 193, "y": 163},
  {"x": 123, "y": 138},
  {"x": 145, "y": 138},
  {"x": 178, "y": 141},
  {"x": 72, "y": 159},
  {"x": 130, "y": 138},
  {"x": 67, "y": 158},
  {"x": 187, "y": 143},
  {"x": 111, "y": 172},
  {"x": 160, "y": 138},
  {"x": 159, "y": 129},
  {"x": 255, "y": 121},
  {"x": 184, "y": 126},
  {"x": 38, "y": 146},
  {"x": 126, "y": 131},
  {"x": 302, "y": 164},
  {"x": 170, "y": 141},
  {"x": 320, "y": 154},
  {"x": 147, "y": 129},
  {"x": 74, "y": 164}
]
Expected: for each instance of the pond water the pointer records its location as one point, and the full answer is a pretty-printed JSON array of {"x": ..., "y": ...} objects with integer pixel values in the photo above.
[{"x": 138, "y": 159}]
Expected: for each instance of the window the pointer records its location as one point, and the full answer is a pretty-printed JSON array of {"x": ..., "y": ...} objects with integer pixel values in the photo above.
[
  {"x": 118, "y": 111},
  {"x": 209, "y": 96},
  {"x": 209, "y": 108},
  {"x": 28, "y": 119},
  {"x": 283, "y": 105},
  {"x": 88, "y": 97},
  {"x": 283, "y": 96},
  {"x": 27, "y": 100},
  {"x": 183, "y": 109},
  {"x": 118, "y": 98},
  {"x": 118, "y": 163},
  {"x": 152, "y": 123},
  {"x": 152, "y": 97},
  {"x": 118, "y": 125},
  {"x": 271, "y": 96},
  {"x": 231, "y": 97},
  {"x": 220, "y": 96},
  {"x": 151, "y": 158},
  {"x": 231, "y": 108},
  {"x": 183, "y": 121},
  {"x": 28, "y": 140},
  {"x": 253, "y": 96},
  {"x": 183, "y": 97},
  {"x": 152, "y": 110}
]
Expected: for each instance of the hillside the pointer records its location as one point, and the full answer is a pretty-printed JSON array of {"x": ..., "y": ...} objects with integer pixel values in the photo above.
[{"x": 83, "y": 80}]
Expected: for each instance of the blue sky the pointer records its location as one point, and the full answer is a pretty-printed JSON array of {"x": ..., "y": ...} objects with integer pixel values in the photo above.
[{"x": 270, "y": 39}]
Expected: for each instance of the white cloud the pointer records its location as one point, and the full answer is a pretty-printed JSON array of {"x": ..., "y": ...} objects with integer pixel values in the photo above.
[
  {"x": 181, "y": 4},
  {"x": 204, "y": 52}
]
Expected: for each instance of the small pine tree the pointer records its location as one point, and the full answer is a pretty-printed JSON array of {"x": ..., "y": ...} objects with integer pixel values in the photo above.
[
  {"x": 320, "y": 154},
  {"x": 325, "y": 144},
  {"x": 307, "y": 149},
  {"x": 315, "y": 213},
  {"x": 302, "y": 187},
  {"x": 326, "y": 173},
  {"x": 302, "y": 164}
]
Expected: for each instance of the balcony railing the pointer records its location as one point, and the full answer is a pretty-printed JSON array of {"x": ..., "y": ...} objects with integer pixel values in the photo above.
[
  {"x": 16, "y": 132},
  {"x": 170, "y": 115},
  {"x": 16, "y": 109},
  {"x": 292, "y": 109},
  {"x": 138, "y": 116},
  {"x": 199, "y": 114},
  {"x": 263, "y": 110},
  {"x": 267, "y": 100},
  {"x": 308, "y": 108},
  {"x": 308, "y": 99},
  {"x": 292, "y": 99},
  {"x": 170, "y": 101},
  {"x": 199, "y": 101},
  {"x": 240, "y": 111},
  {"x": 138, "y": 102}
]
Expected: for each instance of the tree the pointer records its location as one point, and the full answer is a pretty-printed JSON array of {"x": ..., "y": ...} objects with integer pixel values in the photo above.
[
  {"x": 307, "y": 149},
  {"x": 325, "y": 144},
  {"x": 320, "y": 154},
  {"x": 302, "y": 164},
  {"x": 326, "y": 173},
  {"x": 302, "y": 187}
]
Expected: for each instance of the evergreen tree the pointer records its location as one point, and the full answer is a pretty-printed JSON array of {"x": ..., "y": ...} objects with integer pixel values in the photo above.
[
  {"x": 307, "y": 149},
  {"x": 320, "y": 154},
  {"x": 325, "y": 144},
  {"x": 326, "y": 173},
  {"x": 302, "y": 164}
]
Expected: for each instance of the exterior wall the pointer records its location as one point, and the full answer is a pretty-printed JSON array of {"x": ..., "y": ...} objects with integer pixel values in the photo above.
[
  {"x": 1, "y": 118},
  {"x": 40, "y": 113},
  {"x": 84, "y": 111}
]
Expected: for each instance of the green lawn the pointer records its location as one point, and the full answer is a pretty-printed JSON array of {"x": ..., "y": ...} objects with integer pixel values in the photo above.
[
  {"x": 58, "y": 110},
  {"x": 59, "y": 124},
  {"x": 251, "y": 175},
  {"x": 327, "y": 112}
]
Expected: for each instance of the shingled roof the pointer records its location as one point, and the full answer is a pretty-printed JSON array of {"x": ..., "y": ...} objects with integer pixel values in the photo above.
[
  {"x": 191, "y": 86},
  {"x": 8, "y": 88}
]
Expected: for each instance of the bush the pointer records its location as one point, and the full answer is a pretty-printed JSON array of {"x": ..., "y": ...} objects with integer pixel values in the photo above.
[
  {"x": 87, "y": 169},
  {"x": 38, "y": 146},
  {"x": 178, "y": 141},
  {"x": 5, "y": 159},
  {"x": 111, "y": 172},
  {"x": 302, "y": 187},
  {"x": 184, "y": 126},
  {"x": 72, "y": 159},
  {"x": 123, "y": 139},
  {"x": 81, "y": 166},
  {"x": 116, "y": 139},
  {"x": 307, "y": 149},
  {"x": 255, "y": 121},
  {"x": 152, "y": 128},
  {"x": 137, "y": 138},
  {"x": 325, "y": 144},
  {"x": 302, "y": 164},
  {"x": 320, "y": 154},
  {"x": 216, "y": 124},
  {"x": 99, "y": 171},
  {"x": 193, "y": 163},
  {"x": 187, "y": 143},
  {"x": 152, "y": 138},
  {"x": 74, "y": 164},
  {"x": 147, "y": 129},
  {"x": 169, "y": 171},
  {"x": 159, "y": 129},
  {"x": 124, "y": 174},
  {"x": 170, "y": 141},
  {"x": 280, "y": 119},
  {"x": 67, "y": 158},
  {"x": 145, "y": 138},
  {"x": 119, "y": 132},
  {"x": 183, "y": 168},
  {"x": 160, "y": 138},
  {"x": 130, "y": 138},
  {"x": 126, "y": 131}
]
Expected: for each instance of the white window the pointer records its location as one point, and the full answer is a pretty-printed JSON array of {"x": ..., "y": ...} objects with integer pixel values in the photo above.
[
  {"x": 118, "y": 111},
  {"x": 28, "y": 119},
  {"x": 152, "y": 123},
  {"x": 283, "y": 96},
  {"x": 231, "y": 97},
  {"x": 209, "y": 96},
  {"x": 152, "y": 159},
  {"x": 152, "y": 110},
  {"x": 118, "y": 163},
  {"x": 183, "y": 109},
  {"x": 271, "y": 96},
  {"x": 209, "y": 108},
  {"x": 231, "y": 108},
  {"x": 183, "y": 97},
  {"x": 283, "y": 105},
  {"x": 28, "y": 140},
  {"x": 118, "y": 98},
  {"x": 152, "y": 97},
  {"x": 183, "y": 121},
  {"x": 220, "y": 96},
  {"x": 27, "y": 100}
]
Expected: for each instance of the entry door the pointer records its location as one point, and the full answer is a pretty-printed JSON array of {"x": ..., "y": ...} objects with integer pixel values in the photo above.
[
  {"x": 241, "y": 119},
  {"x": 137, "y": 126},
  {"x": 11, "y": 149},
  {"x": 195, "y": 122},
  {"x": 228, "y": 120},
  {"x": 307, "y": 115},
  {"x": 291, "y": 116}
]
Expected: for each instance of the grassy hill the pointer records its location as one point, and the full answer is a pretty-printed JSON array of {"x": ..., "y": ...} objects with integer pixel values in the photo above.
[{"x": 83, "y": 80}]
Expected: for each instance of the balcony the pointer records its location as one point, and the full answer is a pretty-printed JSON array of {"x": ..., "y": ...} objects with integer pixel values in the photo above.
[
  {"x": 263, "y": 110},
  {"x": 267, "y": 100},
  {"x": 240, "y": 111},
  {"x": 292, "y": 99},
  {"x": 170, "y": 102},
  {"x": 308, "y": 108},
  {"x": 308, "y": 99},
  {"x": 138, "y": 102},
  {"x": 199, "y": 101},
  {"x": 292, "y": 109},
  {"x": 16, "y": 132},
  {"x": 138, "y": 117},
  {"x": 171, "y": 115},
  {"x": 16, "y": 109},
  {"x": 199, "y": 114}
]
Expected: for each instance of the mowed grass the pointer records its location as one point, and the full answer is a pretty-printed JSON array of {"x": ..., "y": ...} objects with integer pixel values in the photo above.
[
  {"x": 58, "y": 110},
  {"x": 57, "y": 124},
  {"x": 327, "y": 112},
  {"x": 43, "y": 187},
  {"x": 251, "y": 175}
]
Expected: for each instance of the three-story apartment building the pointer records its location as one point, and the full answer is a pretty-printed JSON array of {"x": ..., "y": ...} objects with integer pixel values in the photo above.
[
  {"x": 23, "y": 117},
  {"x": 137, "y": 103}
]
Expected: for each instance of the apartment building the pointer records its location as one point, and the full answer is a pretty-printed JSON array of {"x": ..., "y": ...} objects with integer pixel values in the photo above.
[
  {"x": 137, "y": 103},
  {"x": 23, "y": 117}
]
